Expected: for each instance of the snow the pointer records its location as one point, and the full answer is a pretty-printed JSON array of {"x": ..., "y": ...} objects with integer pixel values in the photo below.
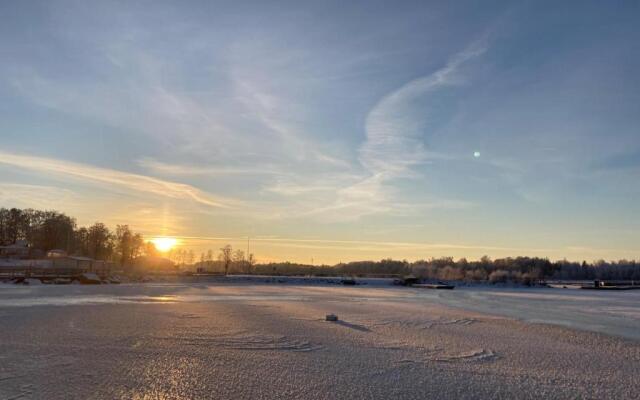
[
  {"x": 246, "y": 340},
  {"x": 91, "y": 276}
]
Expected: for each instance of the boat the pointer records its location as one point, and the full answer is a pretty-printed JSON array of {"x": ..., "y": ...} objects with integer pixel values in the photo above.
[{"x": 348, "y": 281}]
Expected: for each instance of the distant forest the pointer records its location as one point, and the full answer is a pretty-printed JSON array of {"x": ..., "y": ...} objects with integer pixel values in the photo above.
[
  {"x": 524, "y": 270},
  {"x": 46, "y": 230}
]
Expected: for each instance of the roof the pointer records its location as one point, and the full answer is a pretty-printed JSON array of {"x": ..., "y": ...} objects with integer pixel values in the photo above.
[
  {"x": 79, "y": 258},
  {"x": 14, "y": 246}
]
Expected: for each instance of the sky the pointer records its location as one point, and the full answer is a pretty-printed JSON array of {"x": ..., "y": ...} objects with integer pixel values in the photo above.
[{"x": 330, "y": 131}]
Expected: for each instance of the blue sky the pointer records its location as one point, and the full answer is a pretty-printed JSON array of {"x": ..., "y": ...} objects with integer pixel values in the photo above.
[{"x": 331, "y": 130}]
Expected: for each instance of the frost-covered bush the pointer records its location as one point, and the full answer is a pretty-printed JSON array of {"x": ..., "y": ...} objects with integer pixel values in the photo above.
[{"x": 499, "y": 276}]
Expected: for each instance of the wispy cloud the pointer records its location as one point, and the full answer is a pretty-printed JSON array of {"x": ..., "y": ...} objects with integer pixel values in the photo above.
[
  {"x": 394, "y": 144},
  {"x": 283, "y": 119},
  {"x": 142, "y": 104},
  {"x": 114, "y": 179},
  {"x": 41, "y": 196},
  {"x": 160, "y": 167},
  {"x": 392, "y": 147}
]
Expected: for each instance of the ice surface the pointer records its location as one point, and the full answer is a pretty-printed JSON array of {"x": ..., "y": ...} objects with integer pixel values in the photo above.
[{"x": 247, "y": 341}]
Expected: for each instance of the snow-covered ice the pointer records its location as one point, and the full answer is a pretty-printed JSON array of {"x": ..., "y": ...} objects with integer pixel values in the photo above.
[{"x": 243, "y": 340}]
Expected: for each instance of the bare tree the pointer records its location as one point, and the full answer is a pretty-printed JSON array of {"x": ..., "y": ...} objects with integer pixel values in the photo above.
[
  {"x": 251, "y": 261},
  {"x": 238, "y": 259},
  {"x": 225, "y": 257},
  {"x": 191, "y": 257}
]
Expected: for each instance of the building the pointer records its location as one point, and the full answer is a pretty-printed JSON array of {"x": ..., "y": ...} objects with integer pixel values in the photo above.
[
  {"x": 56, "y": 266},
  {"x": 81, "y": 265},
  {"x": 20, "y": 249}
]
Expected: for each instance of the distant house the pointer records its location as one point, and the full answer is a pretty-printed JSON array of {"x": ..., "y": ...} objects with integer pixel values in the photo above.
[{"x": 20, "y": 249}]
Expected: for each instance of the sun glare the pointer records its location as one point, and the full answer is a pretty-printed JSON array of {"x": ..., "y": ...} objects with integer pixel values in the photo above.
[{"x": 164, "y": 244}]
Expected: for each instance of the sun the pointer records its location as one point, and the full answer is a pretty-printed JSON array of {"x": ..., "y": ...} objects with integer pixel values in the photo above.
[{"x": 164, "y": 244}]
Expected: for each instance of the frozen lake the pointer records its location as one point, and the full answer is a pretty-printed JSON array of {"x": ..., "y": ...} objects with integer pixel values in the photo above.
[
  {"x": 609, "y": 312},
  {"x": 195, "y": 340}
]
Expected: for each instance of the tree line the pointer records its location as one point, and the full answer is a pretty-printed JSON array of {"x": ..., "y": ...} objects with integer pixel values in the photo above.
[
  {"x": 524, "y": 270},
  {"x": 49, "y": 230},
  {"x": 228, "y": 261}
]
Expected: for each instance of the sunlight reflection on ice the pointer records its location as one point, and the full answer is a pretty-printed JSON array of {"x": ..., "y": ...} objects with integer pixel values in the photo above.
[{"x": 165, "y": 299}]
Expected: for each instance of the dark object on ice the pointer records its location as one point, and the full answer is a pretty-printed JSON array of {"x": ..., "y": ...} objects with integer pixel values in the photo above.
[
  {"x": 408, "y": 280},
  {"x": 348, "y": 281},
  {"x": 438, "y": 285},
  {"x": 613, "y": 285},
  {"x": 331, "y": 317}
]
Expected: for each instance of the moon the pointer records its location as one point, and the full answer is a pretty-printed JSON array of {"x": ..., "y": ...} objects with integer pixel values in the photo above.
[{"x": 476, "y": 154}]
